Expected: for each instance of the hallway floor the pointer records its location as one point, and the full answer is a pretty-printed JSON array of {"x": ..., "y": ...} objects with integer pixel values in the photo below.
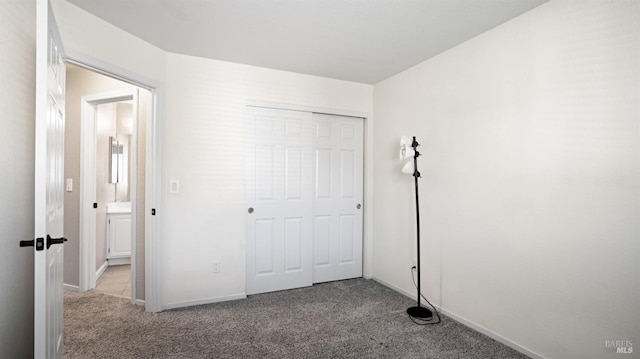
[{"x": 116, "y": 280}]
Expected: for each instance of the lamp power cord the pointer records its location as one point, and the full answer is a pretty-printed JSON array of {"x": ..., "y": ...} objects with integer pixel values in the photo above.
[{"x": 435, "y": 311}]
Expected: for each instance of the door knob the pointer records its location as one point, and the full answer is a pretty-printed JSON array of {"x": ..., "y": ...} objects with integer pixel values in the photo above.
[
  {"x": 359, "y": 206},
  {"x": 250, "y": 210},
  {"x": 52, "y": 241},
  {"x": 38, "y": 243},
  {"x": 28, "y": 243}
]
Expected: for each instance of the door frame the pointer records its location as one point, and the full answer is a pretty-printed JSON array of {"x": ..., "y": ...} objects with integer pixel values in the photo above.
[
  {"x": 367, "y": 215},
  {"x": 153, "y": 176},
  {"x": 88, "y": 137}
]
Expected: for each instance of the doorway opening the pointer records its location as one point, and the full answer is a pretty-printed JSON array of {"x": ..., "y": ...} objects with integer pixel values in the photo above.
[{"x": 105, "y": 154}]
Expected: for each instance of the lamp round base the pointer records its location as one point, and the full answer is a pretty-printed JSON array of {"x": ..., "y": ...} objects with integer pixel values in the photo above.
[{"x": 420, "y": 313}]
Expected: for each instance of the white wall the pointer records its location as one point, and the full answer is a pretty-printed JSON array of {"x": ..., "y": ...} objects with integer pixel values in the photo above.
[
  {"x": 203, "y": 147},
  {"x": 530, "y": 190},
  {"x": 87, "y": 37},
  {"x": 17, "y": 94},
  {"x": 124, "y": 131},
  {"x": 531, "y": 178}
]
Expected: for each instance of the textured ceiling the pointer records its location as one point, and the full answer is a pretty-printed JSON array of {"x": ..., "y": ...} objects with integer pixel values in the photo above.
[{"x": 364, "y": 41}]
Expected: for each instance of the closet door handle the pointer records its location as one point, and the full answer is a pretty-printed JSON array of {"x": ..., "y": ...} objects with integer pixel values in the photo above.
[
  {"x": 359, "y": 206},
  {"x": 250, "y": 210}
]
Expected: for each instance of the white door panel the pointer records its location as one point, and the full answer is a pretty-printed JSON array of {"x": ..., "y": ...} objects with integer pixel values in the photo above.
[
  {"x": 279, "y": 166},
  {"x": 338, "y": 147},
  {"x": 49, "y": 172},
  {"x": 304, "y": 185}
]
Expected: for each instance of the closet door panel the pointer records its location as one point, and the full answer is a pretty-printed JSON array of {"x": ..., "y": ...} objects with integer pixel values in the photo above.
[
  {"x": 338, "y": 147},
  {"x": 279, "y": 200}
]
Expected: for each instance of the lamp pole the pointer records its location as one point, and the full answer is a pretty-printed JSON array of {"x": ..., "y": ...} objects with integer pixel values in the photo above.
[{"x": 417, "y": 311}]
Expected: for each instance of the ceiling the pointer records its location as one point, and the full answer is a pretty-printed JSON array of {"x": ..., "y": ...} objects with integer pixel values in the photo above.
[{"x": 364, "y": 41}]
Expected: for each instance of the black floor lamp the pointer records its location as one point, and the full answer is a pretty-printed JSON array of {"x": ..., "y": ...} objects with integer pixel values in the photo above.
[{"x": 408, "y": 149}]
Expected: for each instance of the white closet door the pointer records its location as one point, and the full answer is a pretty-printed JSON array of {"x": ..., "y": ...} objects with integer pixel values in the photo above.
[
  {"x": 337, "y": 201},
  {"x": 279, "y": 196}
]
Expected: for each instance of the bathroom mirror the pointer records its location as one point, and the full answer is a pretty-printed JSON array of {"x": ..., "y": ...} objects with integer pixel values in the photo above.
[{"x": 116, "y": 167}]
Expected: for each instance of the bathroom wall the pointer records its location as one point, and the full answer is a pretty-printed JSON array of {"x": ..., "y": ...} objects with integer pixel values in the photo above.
[{"x": 124, "y": 131}]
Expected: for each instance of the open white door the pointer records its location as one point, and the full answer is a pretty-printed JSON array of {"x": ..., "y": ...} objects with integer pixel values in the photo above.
[
  {"x": 279, "y": 193},
  {"x": 49, "y": 195}
]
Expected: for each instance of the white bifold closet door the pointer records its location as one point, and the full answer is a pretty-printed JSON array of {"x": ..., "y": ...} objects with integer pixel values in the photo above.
[{"x": 304, "y": 194}]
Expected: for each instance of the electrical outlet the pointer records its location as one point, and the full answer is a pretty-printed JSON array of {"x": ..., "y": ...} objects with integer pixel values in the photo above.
[{"x": 215, "y": 267}]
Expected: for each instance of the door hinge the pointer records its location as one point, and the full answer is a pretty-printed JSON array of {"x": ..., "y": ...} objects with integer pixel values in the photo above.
[{"x": 153, "y": 211}]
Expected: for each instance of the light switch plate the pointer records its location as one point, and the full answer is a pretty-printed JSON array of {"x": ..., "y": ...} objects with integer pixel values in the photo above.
[
  {"x": 174, "y": 186},
  {"x": 69, "y": 185}
]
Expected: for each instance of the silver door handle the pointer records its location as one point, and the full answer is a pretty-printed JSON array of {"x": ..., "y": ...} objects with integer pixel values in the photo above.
[
  {"x": 250, "y": 210},
  {"x": 359, "y": 206}
]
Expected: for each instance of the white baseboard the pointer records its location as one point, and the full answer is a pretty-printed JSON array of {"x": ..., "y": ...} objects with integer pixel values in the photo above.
[
  {"x": 190, "y": 303},
  {"x": 140, "y": 302},
  {"x": 497, "y": 337},
  {"x": 73, "y": 288},
  {"x": 101, "y": 270},
  {"x": 119, "y": 261},
  {"x": 397, "y": 289}
]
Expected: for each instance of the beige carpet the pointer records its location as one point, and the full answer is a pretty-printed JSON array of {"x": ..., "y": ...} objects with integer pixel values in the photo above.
[{"x": 348, "y": 319}]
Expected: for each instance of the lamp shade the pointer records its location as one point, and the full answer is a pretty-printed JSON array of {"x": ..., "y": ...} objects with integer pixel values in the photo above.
[
  {"x": 408, "y": 168},
  {"x": 406, "y": 150}
]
